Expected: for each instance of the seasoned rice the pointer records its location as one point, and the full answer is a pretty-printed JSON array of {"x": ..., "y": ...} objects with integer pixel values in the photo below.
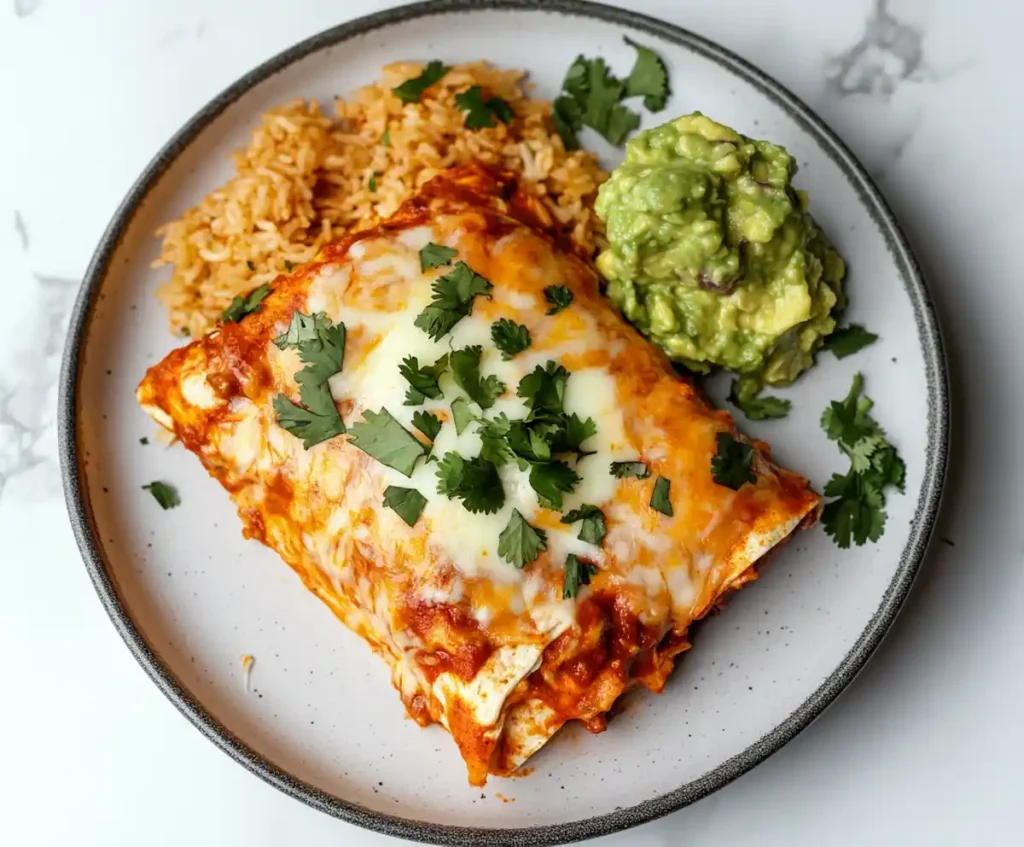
[{"x": 306, "y": 178}]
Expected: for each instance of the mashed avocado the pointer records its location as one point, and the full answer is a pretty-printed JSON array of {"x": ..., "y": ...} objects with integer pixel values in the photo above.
[{"x": 713, "y": 254}]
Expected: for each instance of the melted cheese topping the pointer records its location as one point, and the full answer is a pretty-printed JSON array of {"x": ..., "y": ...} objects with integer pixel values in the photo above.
[{"x": 491, "y": 651}]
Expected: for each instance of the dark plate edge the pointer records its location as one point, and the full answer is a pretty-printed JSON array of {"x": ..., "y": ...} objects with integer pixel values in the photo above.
[{"x": 911, "y": 559}]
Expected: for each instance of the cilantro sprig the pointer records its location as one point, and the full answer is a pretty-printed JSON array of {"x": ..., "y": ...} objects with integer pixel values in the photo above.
[
  {"x": 732, "y": 464},
  {"x": 240, "y": 307},
  {"x": 321, "y": 346},
  {"x": 474, "y": 481},
  {"x": 857, "y": 511},
  {"x": 412, "y": 90},
  {"x": 559, "y": 297},
  {"x": 757, "y": 408},
  {"x": 591, "y": 96},
  {"x": 481, "y": 111},
  {"x": 519, "y": 543},
  {"x": 452, "y": 300}
]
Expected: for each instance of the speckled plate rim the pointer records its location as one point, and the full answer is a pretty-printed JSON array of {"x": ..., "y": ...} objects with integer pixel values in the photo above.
[{"x": 926, "y": 510}]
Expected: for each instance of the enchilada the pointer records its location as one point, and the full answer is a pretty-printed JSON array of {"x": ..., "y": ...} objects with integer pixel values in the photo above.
[{"x": 458, "y": 445}]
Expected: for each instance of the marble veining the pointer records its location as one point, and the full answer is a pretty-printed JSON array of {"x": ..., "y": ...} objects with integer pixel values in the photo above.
[{"x": 24, "y": 8}]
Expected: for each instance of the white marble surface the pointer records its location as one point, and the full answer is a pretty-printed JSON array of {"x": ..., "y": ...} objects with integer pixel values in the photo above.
[{"x": 925, "y": 748}]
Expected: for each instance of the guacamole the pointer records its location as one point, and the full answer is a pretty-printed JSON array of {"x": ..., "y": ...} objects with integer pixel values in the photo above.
[{"x": 713, "y": 255}]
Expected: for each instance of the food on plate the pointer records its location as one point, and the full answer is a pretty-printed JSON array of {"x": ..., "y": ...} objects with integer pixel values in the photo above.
[
  {"x": 713, "y": 255},
  {"x": 307, "y": 178},
  {"x": 457, "y": 443}
]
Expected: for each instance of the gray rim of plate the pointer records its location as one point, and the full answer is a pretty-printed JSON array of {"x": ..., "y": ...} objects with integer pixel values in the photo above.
[{"x": 913, "y": 554}]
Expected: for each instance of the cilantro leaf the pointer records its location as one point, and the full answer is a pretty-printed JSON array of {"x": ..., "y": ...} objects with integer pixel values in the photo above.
[
  {"x": 572, "y": 433},
  {"x": 493, "y": 446},
  {"x": 452, "y": 300},
  {"x": 386, "y": 440},
  {"x": 566, "y": 117},
  {"x": 436, "y": 255},
  {"x": 481, "y": 112},
  {"x": 529, "y": 440},
  {"x": 603, "y": 92},
  {"x": 385, "y": 139},
  {"x": 648, "y": 77},
  {"x": 544, "y": 389},
  {"x": 621, "y": 122},
  {"x": 324, "y": 356},
  {"x": 462, "y": 415},
  {"x": 856, "y": 514},
  {"x": 311, "y": 426},
  {"x": 411, "y": 90},
  {"x": 408, "y": 503},
  {"x": 509, "y": 337},
  {"x": 659, "y": 496},
  {"x": 731, "y": 466},
  {"x": 475, "y": 481},
  {"x": 577, "y": 572},
  {"x": 559, "y": 297},
  {"x": 423, "y": 381},
  {"x": 593, "y": 526},
  {"x": 427, "y": 423},
  {"x": 550, "y": 480},
  {"x": 303, "y": 328},
  {"x": 758, "y": 408},
  {"x": 240, "y": 306},
  {"x": 372, "y": 183},
  {"x": 576, "y": 78},
  {"x": 623, "y": 470},
  {"x": 519, "y": 544},
  {"x": 466, "y": 370},
  {"x": 164, "y": 493},
  {"x": 847, "y": 340}
]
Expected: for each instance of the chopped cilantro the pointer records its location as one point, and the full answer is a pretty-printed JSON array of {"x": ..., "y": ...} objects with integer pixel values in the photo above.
[
  {"x": 385, "y": 139},
  {"x": 622, "y": 470},
  {"x": 242, "y": 306},
  {"x": 164, "y": 494},
  {"x": 452, "y": 300},
  {"x": 530, "y": 440},
  {"x": 519, "y": 544},
  {"x": 466, "y": 371},
  {"x": 648, "y": 78},
  {"x": 408, "y": 503},
  {"x": 509, "y": 337},
  {"x": 544, "y": 389},
  {"x": 550, "y": 480},
  {"x": 603, "y": 92},
  {"x": 316, "y": 421},
  {"x": 758, "y": 408},
  {"x": 493, "y": 445},
  {"x": 857, "y": 511},
  {"x": 592, "y": 529},
  {"x": 427, "y": 423},
  {"x": 288, "y": 265},
  {"x": 475, "y": 481},
  {"x": 848, "y": 340},
  {"x": 436, "y": 255},
  {"x": 659, "y": 496},
  {"x": 571, "y": 434},
  {"x": 321, "y": 347},
  {"x": 143, "y": 440},
  {"x": 577, "y": 572},
  {"x": 731, "y": 465},
  {"x": 462, "y": 415},
  {"x": 423, "y": 381},
  {"x": 412, "y": 90},
  {"x": 386, "y": 440},
  {"x": 250, "y": 265},
  {"x": 481, "y": 112},
  {"x": 559, "y": 297},
  {"x": 372, "y": 184},
  {"x": 621, "y": 122}
]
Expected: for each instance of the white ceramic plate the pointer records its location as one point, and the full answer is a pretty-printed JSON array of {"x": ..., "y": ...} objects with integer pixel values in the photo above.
[{"x": 321, "y": 720}]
